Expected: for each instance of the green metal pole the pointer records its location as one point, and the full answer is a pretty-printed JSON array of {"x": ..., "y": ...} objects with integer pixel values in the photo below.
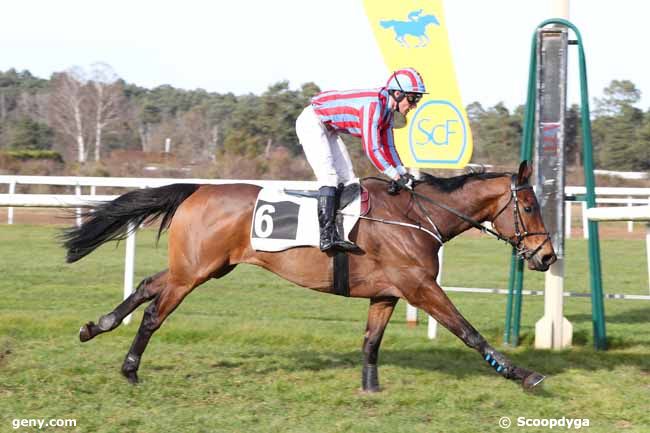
[
  {"x": 516, "y": 280},
  {"x": 519, "y": 284},
  {"x": 516, "y": 266},
  {"x": 597, "y": 304},
  {"x": 511, "y": 287}
]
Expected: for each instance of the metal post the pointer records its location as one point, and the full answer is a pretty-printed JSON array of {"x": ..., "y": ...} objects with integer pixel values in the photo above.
[
  {"x": 647, "y": 249},
  {"x": 561, "y": 8},
  {"x": 630, "y": 224},
  {"x": 552, "y": 331},
  {"x": 77, "y": 191},
  {"x": 567, "y": 219},
  {"x": 411, "y": 311},
  {"x": 585, "y": 221},
  {"x": 432, "y": 330},
  {"x": 411, "y": 316},
  {"x": 10, "y": 210},
  {"x": 129, "y": 266},
  {"x": 509, "y": 301},
  {"x": 519, "y": 284},
  {"x": 595, "y": 274}
]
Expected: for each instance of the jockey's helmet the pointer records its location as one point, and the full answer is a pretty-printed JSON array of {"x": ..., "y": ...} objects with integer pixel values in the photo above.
[{"x": 406, "y": 80}]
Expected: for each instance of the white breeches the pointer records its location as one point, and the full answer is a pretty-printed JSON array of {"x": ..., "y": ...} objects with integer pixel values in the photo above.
[{"x": 325, "y": 151}]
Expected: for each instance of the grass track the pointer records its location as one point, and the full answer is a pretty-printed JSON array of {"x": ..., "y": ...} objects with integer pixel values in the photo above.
[{"x": 252, "y": 353}]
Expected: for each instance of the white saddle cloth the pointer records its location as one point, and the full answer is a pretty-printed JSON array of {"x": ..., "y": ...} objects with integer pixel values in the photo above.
[{"x": 282, "y": 221}]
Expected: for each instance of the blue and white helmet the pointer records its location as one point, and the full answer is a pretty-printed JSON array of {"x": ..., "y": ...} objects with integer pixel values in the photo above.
[{"x": 406, "y": 80}]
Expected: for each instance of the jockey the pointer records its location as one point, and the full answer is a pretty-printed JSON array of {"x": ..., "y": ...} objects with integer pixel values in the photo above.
[{"x": 367, "y": 114}]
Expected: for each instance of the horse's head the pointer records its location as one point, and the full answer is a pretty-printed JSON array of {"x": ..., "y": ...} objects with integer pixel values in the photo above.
[
  {"x": 520, "y": 221},
  {"x": 429, "y": 19}
]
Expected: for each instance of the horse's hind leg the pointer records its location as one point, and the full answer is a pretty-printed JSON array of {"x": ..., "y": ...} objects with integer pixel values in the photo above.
[
  {"x": 379, "y": 313},
  {"x": 146, "y": 290},
  {"x": 435, "y": 302},
  {"x": 155, "y": 314}
]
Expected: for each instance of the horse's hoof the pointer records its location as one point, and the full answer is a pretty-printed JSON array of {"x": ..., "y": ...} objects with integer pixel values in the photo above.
[
  {"x": 84, "y": 332},
  {"x": 370, "y": 379},
  {"x": 131, "y": 376},
  {"x": 370, "y": 390},
  {"x": 532, "y": 380}
]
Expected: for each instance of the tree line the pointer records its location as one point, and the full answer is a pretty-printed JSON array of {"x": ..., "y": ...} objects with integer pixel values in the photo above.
[{"x": 81, "y": 116}]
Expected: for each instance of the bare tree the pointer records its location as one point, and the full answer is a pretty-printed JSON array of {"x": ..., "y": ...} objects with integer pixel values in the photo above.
[
  {"x": 67, "y": 106},
  {"x": 145, "y": 136},
  {"x": 3, "y": 105},
  {"x": 196, "y": 134},
  {"x": 107, "y": 99}
]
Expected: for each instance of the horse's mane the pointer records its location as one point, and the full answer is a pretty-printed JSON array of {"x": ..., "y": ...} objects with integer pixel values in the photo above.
[{"x": 450, "y": 184}]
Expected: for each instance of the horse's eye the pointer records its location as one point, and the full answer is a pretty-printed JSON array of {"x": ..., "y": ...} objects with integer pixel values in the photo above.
[{"x": 528, "y": 209}]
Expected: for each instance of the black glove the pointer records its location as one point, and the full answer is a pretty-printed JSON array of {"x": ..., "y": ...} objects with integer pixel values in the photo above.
[
  {"x": 393, "y": 187},
  {"x": 405, "y": 181}
]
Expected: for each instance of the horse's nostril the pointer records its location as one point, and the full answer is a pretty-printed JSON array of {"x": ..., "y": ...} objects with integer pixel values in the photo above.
[{"x": 548, "y": 259}]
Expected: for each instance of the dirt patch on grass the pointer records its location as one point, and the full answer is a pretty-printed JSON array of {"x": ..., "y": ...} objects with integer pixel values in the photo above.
[{"x": 5, "y": 351}]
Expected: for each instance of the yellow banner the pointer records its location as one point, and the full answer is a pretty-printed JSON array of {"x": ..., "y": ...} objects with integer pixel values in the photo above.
[{"x": 413, "y": 33}]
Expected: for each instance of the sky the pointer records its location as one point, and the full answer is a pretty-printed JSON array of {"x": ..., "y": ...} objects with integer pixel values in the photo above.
[{"x": 244, "y": 46}]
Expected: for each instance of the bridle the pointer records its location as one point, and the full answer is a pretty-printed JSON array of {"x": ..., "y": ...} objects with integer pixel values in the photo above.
[{"x": 521, "y": 233}]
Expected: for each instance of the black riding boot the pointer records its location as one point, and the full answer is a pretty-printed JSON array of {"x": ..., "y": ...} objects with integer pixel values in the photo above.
[{"x": 329, "y": 236}]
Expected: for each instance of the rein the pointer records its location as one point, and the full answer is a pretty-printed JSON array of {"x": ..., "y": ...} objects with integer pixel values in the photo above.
[{"x": 522, "y": 251}]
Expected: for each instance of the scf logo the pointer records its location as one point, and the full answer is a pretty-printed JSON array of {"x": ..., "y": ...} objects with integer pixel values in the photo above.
[{"x": 438, "y": 133}]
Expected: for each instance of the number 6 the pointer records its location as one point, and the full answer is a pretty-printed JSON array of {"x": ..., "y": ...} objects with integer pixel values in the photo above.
[{"x": 264, "y": 221}]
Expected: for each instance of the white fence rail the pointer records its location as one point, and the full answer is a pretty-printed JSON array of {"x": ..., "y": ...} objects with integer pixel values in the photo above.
[
  {"x": 12, "y": 200},
  {"x": 636, "y": 213},
  {"x": 604, "y": 195},
  {"x": 625, "y": 196}
]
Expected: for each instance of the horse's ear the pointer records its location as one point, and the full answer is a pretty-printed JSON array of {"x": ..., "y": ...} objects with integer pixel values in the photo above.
[{"x": 525, "y": 170}]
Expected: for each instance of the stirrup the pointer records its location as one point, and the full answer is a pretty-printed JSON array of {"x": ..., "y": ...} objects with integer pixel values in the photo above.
[
  {"x": 326, "y": 237},
  {"x": 345, "y": 246},
  {"x": 326, "y": 246}
]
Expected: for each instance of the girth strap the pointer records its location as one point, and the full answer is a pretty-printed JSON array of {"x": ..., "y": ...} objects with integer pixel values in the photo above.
[{"x": 341, "y": 268}]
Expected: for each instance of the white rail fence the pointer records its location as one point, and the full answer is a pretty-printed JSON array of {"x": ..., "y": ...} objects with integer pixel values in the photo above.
[
  {"x": 604, "y": 195},
  {"x": 630, "y": 197},
  {"x": 637, "y": 213},
  {"x": 77, "y": 200}
]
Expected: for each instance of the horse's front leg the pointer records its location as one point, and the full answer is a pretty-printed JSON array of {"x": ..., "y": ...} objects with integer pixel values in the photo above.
[
  {"x": 379, "y": 313},
  {"x": 402, "y": 41},
  {"x": 432, "y": 299}
]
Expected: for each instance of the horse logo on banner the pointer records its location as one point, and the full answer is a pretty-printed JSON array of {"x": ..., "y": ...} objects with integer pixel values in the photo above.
[
  {"x": 415, "y": 26},
  {"x": 437, "y": 134}
]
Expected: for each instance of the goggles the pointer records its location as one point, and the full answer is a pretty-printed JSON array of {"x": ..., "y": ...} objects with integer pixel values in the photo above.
[{"x": 413, "y": 98}]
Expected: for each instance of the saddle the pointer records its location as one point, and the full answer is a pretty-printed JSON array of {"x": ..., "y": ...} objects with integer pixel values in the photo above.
[
  {"x": 284, "y": 219},
  {"x": 350, "y": 192}
]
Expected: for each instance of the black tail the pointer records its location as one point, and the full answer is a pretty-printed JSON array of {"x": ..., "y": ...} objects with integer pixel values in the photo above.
[{"x": 110, "y": 221}]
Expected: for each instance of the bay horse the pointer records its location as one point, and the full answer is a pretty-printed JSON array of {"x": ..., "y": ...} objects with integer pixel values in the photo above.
[{"x": 209, "y": 230}]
